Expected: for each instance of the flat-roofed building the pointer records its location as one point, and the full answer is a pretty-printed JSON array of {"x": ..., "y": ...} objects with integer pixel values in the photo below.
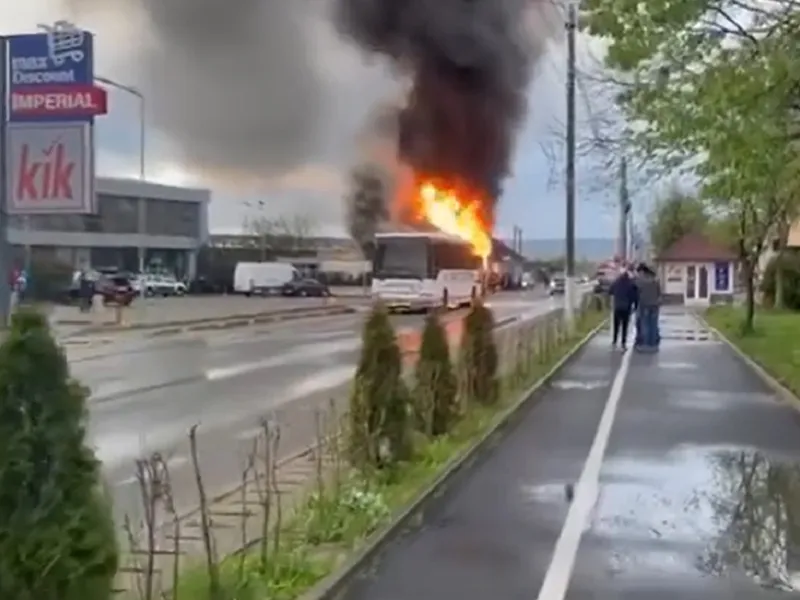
[{"x": 138, "y": 226}]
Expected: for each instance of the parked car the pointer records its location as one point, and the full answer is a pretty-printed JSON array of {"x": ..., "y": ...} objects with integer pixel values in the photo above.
[
  {"x": 160, "y": 285},
  {"x": 305, "y": 287},
  {"x": 205, "y": 285},
  {"x": 115, "y": 289}
]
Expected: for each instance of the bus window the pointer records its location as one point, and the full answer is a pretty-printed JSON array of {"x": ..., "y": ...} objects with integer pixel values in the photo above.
[
  {"x": 454, "y": 256},
  {"x": 401, "y": 258}
]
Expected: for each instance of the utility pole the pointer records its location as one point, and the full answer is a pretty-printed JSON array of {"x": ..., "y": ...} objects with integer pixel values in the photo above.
[
  {"x": 569, "y": 283},
  {"x": 5, "y": 246},
  {"x": 624, "y": 211}
]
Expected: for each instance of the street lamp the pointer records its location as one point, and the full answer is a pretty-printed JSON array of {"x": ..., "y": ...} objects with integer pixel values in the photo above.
[{"x": 142, "y": 117}]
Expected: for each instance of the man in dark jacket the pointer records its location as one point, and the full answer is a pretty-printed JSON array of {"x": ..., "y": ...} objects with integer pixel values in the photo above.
[
  {"x": 647, "y": 334},
  {"x": 624, "y": 298}
]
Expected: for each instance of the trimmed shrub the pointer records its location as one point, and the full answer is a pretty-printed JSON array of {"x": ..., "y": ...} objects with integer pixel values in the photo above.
[
  {"x": 380, "y": 420},
  {"x": 478, "y": 357},
  {"x": 434, "y": 400},
  {"x": 56, "y": 528},
  {"x": 790, "y": 267}
]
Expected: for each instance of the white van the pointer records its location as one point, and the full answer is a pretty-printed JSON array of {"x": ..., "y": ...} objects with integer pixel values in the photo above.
[{"x": 262, "y": 278}]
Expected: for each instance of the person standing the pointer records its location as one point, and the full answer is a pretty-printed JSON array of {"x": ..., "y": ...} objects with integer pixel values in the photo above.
[
  {"x": 624, "y": 298},
  {"x": 647, "y": 336}
]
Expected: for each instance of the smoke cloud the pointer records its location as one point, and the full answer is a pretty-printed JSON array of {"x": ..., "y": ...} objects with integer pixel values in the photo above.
[
  {"x": 469, "y": 63},
  {"x": 232, "y": 85}
]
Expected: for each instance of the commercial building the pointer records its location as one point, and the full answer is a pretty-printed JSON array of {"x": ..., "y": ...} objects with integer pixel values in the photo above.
[{"x": 137, "y": 226}]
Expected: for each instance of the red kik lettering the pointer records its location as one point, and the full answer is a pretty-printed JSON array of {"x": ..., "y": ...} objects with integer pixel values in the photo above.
[
  {"x": 61, "y": 182},
  {"x": 50, "y": 178},
  {"x": 28, "y": 173}
]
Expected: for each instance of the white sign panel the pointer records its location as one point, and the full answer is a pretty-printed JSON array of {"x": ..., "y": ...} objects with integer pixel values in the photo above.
[{"x": 50, "y": 168}]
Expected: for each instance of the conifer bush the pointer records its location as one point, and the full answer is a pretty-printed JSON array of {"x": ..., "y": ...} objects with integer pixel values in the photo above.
[
  {"x": 380, "y": 420},
  {"x": 478, "y": 357},
  {"x": 434, "y": 399},
  {"x": 57, "y": 539}
]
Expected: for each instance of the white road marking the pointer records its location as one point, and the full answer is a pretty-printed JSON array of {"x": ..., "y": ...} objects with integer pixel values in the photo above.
[
  {"x": 324, "y": 380},
  {"x": 562, "y": 563},
  {"x": 299, "y": 355}
]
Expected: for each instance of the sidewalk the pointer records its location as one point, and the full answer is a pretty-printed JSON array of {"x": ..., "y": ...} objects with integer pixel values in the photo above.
[{"x": 681, "y": 483}]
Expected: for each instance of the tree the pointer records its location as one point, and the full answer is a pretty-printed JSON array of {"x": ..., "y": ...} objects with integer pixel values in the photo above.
[
  {"x": 367, "y": 205},
  {"x": 675, "y": 216},
  {"x": 56, "y": 529},
  {"x": 279, "y": 235},
  {"x": 786, "y": 267},
  {"x": 434, "y": 396},
  {"x": 380, "y": 420},
  {"x": 478, "y": 357},
  {"x": 717, "y": 90}
]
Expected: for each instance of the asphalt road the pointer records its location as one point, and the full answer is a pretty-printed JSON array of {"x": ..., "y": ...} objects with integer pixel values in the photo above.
[
  {"x": 147, "y": 394},
  {"x": 671, "y": 476}
]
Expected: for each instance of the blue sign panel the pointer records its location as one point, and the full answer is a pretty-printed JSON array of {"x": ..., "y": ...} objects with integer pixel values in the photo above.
[
  {"x": 722, "y": 276},
  {"x": 58, "y": 60}
]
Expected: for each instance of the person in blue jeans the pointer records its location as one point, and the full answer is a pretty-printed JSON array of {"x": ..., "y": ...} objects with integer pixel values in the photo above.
[
  {"x": 624, "y": 297},
  {"x": 647, "y": 331}
]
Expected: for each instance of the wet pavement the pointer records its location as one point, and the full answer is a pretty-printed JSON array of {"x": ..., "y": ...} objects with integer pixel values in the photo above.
[
  {"x": 673, "y": 475},
  {"x": 146, "y": 395}
]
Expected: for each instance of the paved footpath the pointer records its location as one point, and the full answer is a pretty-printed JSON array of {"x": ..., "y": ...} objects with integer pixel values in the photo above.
[{"x": 669, "y": 476}]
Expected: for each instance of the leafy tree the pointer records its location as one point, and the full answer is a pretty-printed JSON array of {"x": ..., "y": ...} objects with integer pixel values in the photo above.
[
  {"x": 479, "y": 359},
  {"x": 787, "y": 266},
  {"x": 56, "y": 529},
  {"x": 435, "y": 393},
  {"x": 379, "y": 403},
  {"x": 714, "y": 89},
  {"x": 675, "y": 216}
]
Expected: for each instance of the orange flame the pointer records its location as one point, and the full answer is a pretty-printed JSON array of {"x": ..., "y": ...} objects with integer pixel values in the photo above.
[{"x": 452, "y": 213}]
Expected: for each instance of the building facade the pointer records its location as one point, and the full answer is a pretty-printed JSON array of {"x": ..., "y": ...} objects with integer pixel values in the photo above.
[
  {"x": 138, "y": 226},
  {"x": 695, "y": 271}
]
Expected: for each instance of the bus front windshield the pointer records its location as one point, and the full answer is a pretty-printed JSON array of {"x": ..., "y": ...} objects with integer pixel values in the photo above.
[{"x": 401, "y": 258}]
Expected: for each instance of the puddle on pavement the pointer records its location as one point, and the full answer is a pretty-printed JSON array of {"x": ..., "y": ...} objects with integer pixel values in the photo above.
[{"x": 709, "y": 511}]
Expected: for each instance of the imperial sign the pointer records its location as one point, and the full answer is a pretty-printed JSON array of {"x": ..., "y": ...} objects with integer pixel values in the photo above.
[
  {"x": 45, "y": 101},
  {"x": 50, "y": 168},
  {"x": 59, "y": 61}
]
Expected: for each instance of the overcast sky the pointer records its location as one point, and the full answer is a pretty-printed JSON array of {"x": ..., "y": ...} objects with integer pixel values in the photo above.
[{"x": 302, "y": 173}]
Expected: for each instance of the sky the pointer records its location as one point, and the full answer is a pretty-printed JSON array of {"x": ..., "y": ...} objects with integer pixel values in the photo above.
[{"x": 325, "y": 94}]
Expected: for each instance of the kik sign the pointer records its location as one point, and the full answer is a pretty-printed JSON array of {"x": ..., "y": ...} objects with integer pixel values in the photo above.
[
  {"x": 50, "y": 168},
  {"x": 61, "y": 60}
]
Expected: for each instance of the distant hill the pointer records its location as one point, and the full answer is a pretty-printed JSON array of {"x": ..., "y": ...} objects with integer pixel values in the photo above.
[{"x": 591, "y": 249}]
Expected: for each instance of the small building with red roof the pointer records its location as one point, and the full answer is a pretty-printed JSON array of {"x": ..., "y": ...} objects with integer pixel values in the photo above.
[{"x": 696, "y": 271}]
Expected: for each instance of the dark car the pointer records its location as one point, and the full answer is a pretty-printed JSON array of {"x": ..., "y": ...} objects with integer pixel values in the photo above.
[
  {"x": 115, "y": 288},
  {"x": 306, "y": 287}
]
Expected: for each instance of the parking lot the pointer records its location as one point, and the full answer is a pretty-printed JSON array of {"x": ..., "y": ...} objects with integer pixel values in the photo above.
[{"x": 153, "y": 311}]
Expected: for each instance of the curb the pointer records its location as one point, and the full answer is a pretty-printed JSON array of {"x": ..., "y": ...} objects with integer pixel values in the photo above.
[
  {"x": 337, "y": 583},
  {"x": 214, "y": 323},
  {"x": 783, "y": 392}
]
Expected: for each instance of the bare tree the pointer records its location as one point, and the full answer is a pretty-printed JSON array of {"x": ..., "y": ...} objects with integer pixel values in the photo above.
[{"x": 276, "y": 235}]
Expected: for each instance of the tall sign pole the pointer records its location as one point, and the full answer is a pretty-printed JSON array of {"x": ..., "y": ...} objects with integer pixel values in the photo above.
[
  {"x": 5, "y": 246},
  {"x": 569, "y": 283}
]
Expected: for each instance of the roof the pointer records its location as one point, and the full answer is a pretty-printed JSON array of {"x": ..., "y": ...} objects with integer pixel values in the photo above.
[
  {"x": 136, "y": 188},
  {"x": 695, "y": 247},
  {"x": 431, "y": 235},
  {"x": 502, "y": 251}
]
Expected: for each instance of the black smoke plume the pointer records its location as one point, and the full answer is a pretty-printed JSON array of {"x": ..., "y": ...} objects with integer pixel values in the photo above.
[{"x": 470, "y": 63}]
